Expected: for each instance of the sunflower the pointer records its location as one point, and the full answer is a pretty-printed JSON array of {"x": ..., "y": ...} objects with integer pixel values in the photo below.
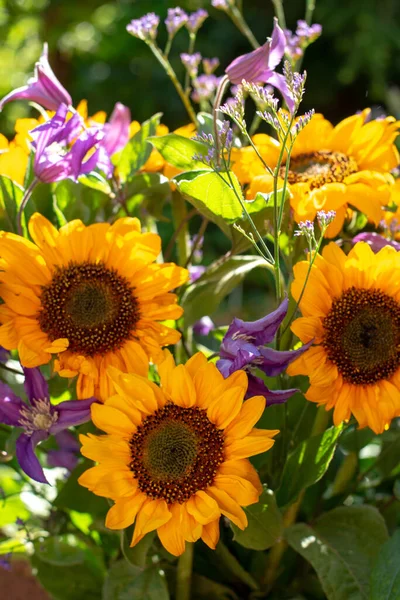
[
  {"x": 91, "y": 295},
  {"x": 333, "y": 167},
  {"x": 175, "y": 457},
  {"x": 351, "y": 309}
]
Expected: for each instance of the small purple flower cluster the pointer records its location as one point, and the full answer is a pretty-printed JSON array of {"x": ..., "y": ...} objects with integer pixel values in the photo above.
[
  {"x": 144, "y": 28},
  {"x": 176, "y": 19},
  {"x": 305, "y": 228},
  {"x": 304, "y": 36},
  {"x": 205, "y": 87},
  {"x": 325, "y": 218},
  {"x": 191, "y": 63}
]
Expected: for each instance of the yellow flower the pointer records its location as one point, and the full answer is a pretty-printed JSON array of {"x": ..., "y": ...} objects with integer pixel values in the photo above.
[
  {"x": 175, "y": 458},
  {"x": 333, "y": 167},
  {"x": 391, "y": 218},
  {"x": 351, "y": 309},
  {"x": 91, "y": 295}
]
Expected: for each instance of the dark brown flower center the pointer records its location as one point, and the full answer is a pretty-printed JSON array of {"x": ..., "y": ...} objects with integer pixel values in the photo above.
[
  {"x": 91, "y": 305},
  {"x": 319, "y": 168},
  {"x": 362, "y": 335},
  {"x": 175, "y": 453}
]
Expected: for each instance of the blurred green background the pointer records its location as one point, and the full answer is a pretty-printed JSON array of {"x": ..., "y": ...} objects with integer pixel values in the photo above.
[{"x": 356, "y": 62}]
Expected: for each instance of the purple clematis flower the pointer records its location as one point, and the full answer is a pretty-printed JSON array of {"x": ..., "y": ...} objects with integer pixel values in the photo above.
[
  {"x": 39, "y": 419},
  {"x": 68, "y": 451},
  {"x": 43, "y": 88},
  {"x": 376, "y": 241},
  {"x": 57, "y": 158},
  {"x": 116, "y": 130},
  {"x": 259, "y": 66},
  {"x": 243, "y": 347}
]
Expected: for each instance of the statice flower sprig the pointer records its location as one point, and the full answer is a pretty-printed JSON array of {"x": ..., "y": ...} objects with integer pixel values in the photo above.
[{"x": 297, "y": 42}]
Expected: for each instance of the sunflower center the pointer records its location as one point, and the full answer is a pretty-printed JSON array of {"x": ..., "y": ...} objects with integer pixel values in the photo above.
[
  {"x": 362, "y": 335},
  {"x": 91, "y": 305},
  {"x": 176, "y": 452},
  {"x": 319, "y": 168}
]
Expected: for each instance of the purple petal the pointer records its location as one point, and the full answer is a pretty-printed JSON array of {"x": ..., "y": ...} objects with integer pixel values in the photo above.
[
  {"x": 4, "y": 355},
  {"x": 277, "y": 48},
  {"x": 279, "y": 82},
  {"x": 195, "y": 272},
  {"x": 251, "y": 67},
  {"x": 117, "y": 129},
  {"x": 72, "y": 412},
  {"x": 276, "y": 361},
  {"x": 26, "y": 456},
  {"x": 67, "y": 441},
  {"x": 376, "y": 241},
  {"x": 261, "y": 331},
  {"x": 257, "y": 387},
  {"x": 203, "y": 326},
  {"x": 35, "y": 385},
  {"x": 10, "y": 406},
  {"x": 62, "y": 458}
]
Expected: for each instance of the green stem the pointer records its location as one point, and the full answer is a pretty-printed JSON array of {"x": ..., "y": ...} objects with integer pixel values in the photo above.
[
  {"x": 280, "y": 13},
  {"x": 180, "y": 217},
  {"x": 163, "y": 60},
  {"x": 238, "y": 20},
  {"x": 275, "y": 556},
  {"x": 184, "y": 573},
  {"x": 192, "y": 41},
  {"x": 232, "y": 565},
  {"x": 197, "y": 240},
  {"x": 345, "y": 474},
  {"x": 217, "y": 103},
  {"x": 310, "y": 7},
  {"x": 24, "y": 202}
]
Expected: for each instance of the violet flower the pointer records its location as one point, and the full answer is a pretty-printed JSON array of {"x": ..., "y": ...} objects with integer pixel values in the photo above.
[
  {"x": 56, "y": 158},
  {"x": 243, "y": 347},
  {"x": 39, "y": 419},
  {"x": 195, "y": 272},
  {"x": 203, "y": 326},
  {"x": 210, "y": 65},
  {"x": 43, "y": 88},
  {"x": 68, "y": 451},
  {"x": 116, "y": 130},
  {"x": 376, "y": 241},
  {"x": 191, "y": 62},
  {"x": 175, "y": 20},
  {"x": 204, "y": 87},
  {"x": 144, "y": 28},
  {"x": 196, "y": 20},
  {"x": 259, "y": 66}
]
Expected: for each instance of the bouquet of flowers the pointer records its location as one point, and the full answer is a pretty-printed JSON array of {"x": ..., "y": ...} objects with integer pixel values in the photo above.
[{"x": 146, "y": 452}]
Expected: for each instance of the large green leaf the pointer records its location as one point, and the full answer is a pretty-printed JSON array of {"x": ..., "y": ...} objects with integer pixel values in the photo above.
[
  {"x": 57, "y": 551},
  {"x": 265, "y": 525},
  {"x": 205, "y": 295},
  {"x": 146, "y": 191},
  {"x": 77, "y": 201},
  {"x": 137, "y": 150},
  {"x": 127, "y": 582},
  {"x": 10, "y": 199},
  {"x": 73, "y": 496},
  {"x": 179, "y": 151},
  {"x": 307, "y": 464},
  {"x": 212, "y": 194},
  {"x": 342, "y": 547},
  {"x": 385, "y": 577}
]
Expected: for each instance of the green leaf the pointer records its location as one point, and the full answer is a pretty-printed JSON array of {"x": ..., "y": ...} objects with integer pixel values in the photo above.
[
  {"x": 307, "y": 464},
  {"x": 265, "y": 525},
  {"x": 179, "y": 151},
  {"x": 385, "y": 577},
  {"x": 127, "y": 582},
  {"x": 56, "y": 551},
  {"x": 10, "y": 197},
  {"x": 146, "y": 191},
  {"x": 342, "y": 548},
  {"x": 71, "y": 582},
  {"x": 354, "y": 439},
  {"x": 212, "y": 195},
  {"x": 96, "y": 181},
  {"x": 137, "y": 150},
  {"x": 75, "y": 497},
  {"x": 202, "y": 587},
  {"x": 205, "y": 295},
  {"x": 77, "y": 201}
]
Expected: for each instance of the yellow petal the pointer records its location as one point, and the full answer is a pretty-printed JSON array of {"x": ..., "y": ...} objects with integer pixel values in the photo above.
[
  {"x": 226, "y": 407},
  {"x": 239, "y": 489},
  {"x": 183, "y": 392},
  {"x": 259, "y": 440},
  {"x": 152, "y": 515},
  {"x": 248, "y": 416},
  {"x": 210, "y": 534},
  {"x": 112, "y": 420},
  {"x": 124, "y": 511},
  {"x": 170, "y": 534},
  {"x": 203, "y": 508},
  {"x": 228, "y": 506}
]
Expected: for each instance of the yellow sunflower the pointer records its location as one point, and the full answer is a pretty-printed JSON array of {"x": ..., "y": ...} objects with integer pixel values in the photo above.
[
  {"x": 175, "y": 458},
  {"x": 351, "y": 309},
  {"x": 333, "y": 167},
  {"x": 91, "y": 295}
]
